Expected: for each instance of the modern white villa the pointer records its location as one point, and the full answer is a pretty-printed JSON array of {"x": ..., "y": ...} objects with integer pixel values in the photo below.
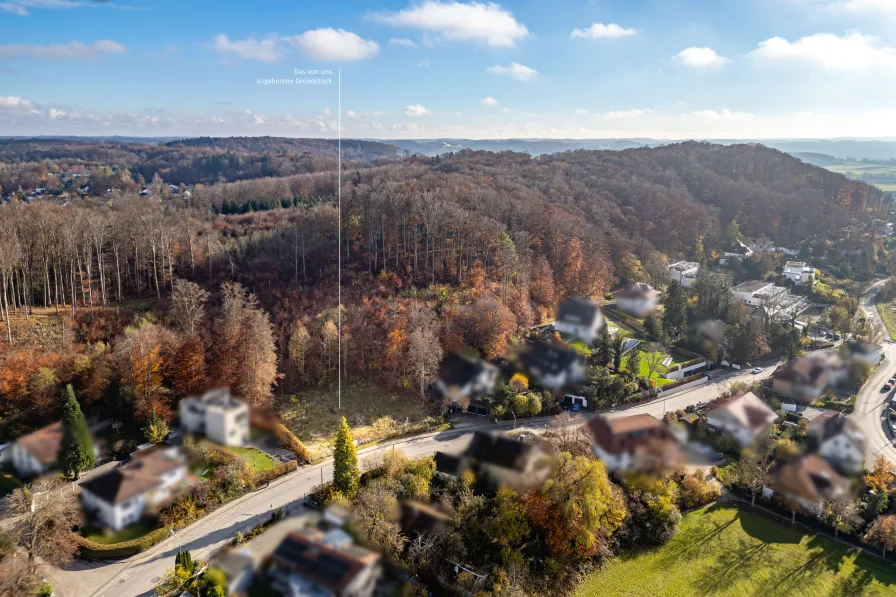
[{"x": 218, "y": 416}]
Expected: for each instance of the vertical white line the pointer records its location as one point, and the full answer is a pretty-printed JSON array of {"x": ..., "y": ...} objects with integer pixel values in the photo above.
[{"x": 339, "y": 240}]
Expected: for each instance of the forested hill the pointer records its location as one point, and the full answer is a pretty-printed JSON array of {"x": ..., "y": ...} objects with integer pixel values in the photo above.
[
  {"x": 352, "y": 149},
  {"x": 33, "y": 163}
]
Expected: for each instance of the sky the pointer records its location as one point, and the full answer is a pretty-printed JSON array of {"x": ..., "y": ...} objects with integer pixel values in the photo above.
[{"x": 664, "y": 69}]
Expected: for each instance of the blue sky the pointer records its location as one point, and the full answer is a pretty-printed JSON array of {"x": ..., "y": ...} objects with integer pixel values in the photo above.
[{"x": 436, "y": 68}]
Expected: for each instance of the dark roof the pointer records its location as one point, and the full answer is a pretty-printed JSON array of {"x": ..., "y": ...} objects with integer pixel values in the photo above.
[
  {"x": 637, "y": 290},
  {"x": 550, "y": 359},
  {"x": 305, "y": 553},
  {"x": 231, "y": 563},
  {"x": 832, "y": 423},
  {"x": 578, "y": 311},
  {"x": 862, "y": 347},
  {"x": 140, "y": 475},
  {"x": 458, "y": 370},
  {"x": 499, "y": 450},
  {"x": 419, "y": 519},
  {"x": 447, "y": 463}
]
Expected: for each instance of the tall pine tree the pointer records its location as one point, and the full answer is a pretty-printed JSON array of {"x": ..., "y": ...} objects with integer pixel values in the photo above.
[
  {"x": 346, "y": 474},
  {"x": 76, "y": 449}
]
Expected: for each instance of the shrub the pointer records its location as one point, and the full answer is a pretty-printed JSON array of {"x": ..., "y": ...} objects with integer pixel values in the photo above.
[
  {"x": 101, "y": 551},
  {"x": 289, "y": 441},
  {"x": 694, "y": 490},
  {"x": 275, "y": 472}
]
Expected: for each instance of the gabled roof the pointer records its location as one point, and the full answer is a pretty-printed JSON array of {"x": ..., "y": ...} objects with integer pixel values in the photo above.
[
  {"x": 860, "y": 347},
  {"x": 142, "y": 474},
  {"x": 305, "y": 553},
  {"x": 500, "y": 450},
  {"x": 638, "y": 290},
  {"x": 809, "y": 477},
  {"x": 458, "y": 370},
  {"x": 44, "y": 443},
  {"x": 549, "y": 358},
  {"x": 832, "y": 424},
  {"x": 420, "y": 519},
  {"x": 747, "y": 409},
  {"x": 578, "y": 311}
]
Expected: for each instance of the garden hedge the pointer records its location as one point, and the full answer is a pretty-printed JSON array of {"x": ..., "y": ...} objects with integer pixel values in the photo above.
[
  {"x": 124, "y": 549},
  {"x": 275, "y": 472}
]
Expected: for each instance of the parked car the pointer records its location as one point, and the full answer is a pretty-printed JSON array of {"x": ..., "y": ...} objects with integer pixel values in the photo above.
[
  {"x": 836, "y": 337},
  {"x": 756, "y": 370},
  {"x": 888, "y": 386},
  {"x": 311, "y": 503}
]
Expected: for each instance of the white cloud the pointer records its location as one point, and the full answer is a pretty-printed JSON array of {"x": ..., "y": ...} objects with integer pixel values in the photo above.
[
  {"x": 326, "y": 111},
  {"x": 695, "y": 57},
  {"x": 22, "y": 7},
  {"x": 351, "y": 114},
  {"x": 404, "y": 42},
  {"x": 601, "y": 31},
  {"x": 54, "y": 113},
  {"x": 866, "y": 7},
  {"x": 265, "y": 50},
  {"x": 583, "y": 111},
  {"x": 620, "y": 114},
  {"x": 725, "y": 114},
  {"x": 70, "y": 51},
  {"x": 257, "y": 119},
  {"x": 335, "y": 45},
  {"x": 458, "y": 21},
  {"x": 423, "y": 63},
  {"x": 415, "y": 110},
  {"x": 14, "y": 102},
  {"x": 851, "y": 53},
  {"x": 490, "y": 101},
  {"x": 516, "y": 70}
]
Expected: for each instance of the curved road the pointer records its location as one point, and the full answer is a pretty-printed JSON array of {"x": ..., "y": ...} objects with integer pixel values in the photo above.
[
  {"x": 137, "y": 576},
  {"x": 871, "y": 401}
]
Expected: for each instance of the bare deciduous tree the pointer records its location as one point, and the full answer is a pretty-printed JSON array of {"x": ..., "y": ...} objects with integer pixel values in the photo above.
[
  {"x": 188, "y": 305},
  {"x": 42, "y": 516}
]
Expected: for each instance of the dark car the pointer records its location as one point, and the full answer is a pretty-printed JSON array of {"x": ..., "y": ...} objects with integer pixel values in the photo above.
[
  {"x": 888, "y": 386},
  {"x": 311, "y": 503}
]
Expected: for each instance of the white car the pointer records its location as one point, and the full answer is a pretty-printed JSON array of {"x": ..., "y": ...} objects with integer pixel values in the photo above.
[{"x": 756, "y": 370}]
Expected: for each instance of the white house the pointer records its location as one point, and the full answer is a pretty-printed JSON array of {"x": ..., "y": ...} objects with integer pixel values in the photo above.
[
  {"x": 838, "y": 440},
  {"x": 462, "y": 378},
  {"x": 683, "y": 272},
  {"x": 579, "y": 318},
  {"x": 218, "y": 416},
  {"x": 745, "y": 417},
  {"x": 638, "y": 298},
  {"x": 867, "y": 352},
  {"x": 775, "y": 301},
  {"x": 799, "y": 272},
  {"x": 736, "y": 252},
  {"x": 153, "y": 477},
  {"x": 38, "y": 452}
]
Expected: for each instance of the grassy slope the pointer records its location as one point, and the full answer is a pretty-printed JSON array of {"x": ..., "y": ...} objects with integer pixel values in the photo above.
[
  {"x": 888, "y": 316},
  {"x": 258, "y": 460},
  {"x": 727, "y": 551}
]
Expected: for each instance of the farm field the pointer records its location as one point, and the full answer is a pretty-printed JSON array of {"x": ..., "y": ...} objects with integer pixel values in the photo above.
[{"x": 723, "y": 550}]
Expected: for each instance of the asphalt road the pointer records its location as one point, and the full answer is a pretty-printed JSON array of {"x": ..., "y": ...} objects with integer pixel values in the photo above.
[
  {"x": 871, "y": 401},
  {"x": 138, "y": 575}
]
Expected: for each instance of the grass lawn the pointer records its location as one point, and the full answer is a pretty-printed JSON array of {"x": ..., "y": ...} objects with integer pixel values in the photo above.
[
  {"x": 657, "y": 374},
  {"x": 134, "y": 531},
  {"x": 8, "y": 482},
  {"x": 372, "y": 412},
  {"x": 727, "y": 551},
  {"x": 258, "y": 460},
  {"x": 888, "y": 316}
]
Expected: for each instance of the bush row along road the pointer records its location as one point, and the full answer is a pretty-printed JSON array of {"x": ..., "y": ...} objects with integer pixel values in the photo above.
[{"x": 136, "y": 576}]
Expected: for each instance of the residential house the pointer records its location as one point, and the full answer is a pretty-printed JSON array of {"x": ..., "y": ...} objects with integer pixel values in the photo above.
[
  {"x": 553, "y": 365},
  {"x": 150, "y": 480},
  {"x": 218, "y": 416},
  {"x": 805, "y": 379},
  {"x": 38, "y": 452},
  {"x": 462, "y": 378},
  {"x": 500, "y": 459},
  {"x": 774, "y": 302},
  {"x": 712, "y": 330},
  {"x": 837, "y": 439},
  {"x": 807, "y": 480},
  {"x": 634, "y": 442},
  {"x": 865, "y": 352},
  {"x": 310, "y": 562},
  {"x": 638, "y": 299},
  {"x": 799, "y": 272},
  {"x": 735, "y": 252},
  {"x": 579, "y": 318},
  {"x": 417, "y": 519},
  {"x": 237, "y": 568},
  {"x": 683, "y": 272},
  {"x": 744, "y": 417}
]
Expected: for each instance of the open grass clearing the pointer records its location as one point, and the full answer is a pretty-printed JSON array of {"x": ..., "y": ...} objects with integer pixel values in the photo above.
[
  {"x": 727, "y": 551},
  {"x": 660, "y": 369},
  {"x": 258, "y": 460},
  {"x": 134, "y": 531},
  {"x": 373, "y": 413}
]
